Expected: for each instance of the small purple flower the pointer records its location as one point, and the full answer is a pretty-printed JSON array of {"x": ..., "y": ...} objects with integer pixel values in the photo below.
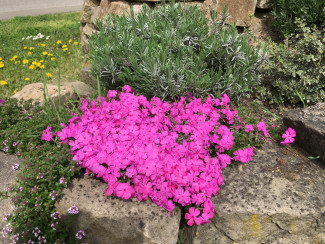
[
  {"x": 53, "y": 195},
  {"x": 5, "y": 142},
  {"x": 40, "y": 176},
  {"x": 73, "y": 210},
  {"x": 34, "y": 189},
  {"x": 14, "y": 144},
  {"x": 56, "y": 215},
  {"x": 54, "y": 225},
  {"x": 36, "y": 232},
  {"x": 80, "y": 234},
  {"x": 30, "y": 242},
  {"x": 15, "y": 166},
  {"x": 63, "y": 181},
  {"x": 2, "y": 101},
  {"x": 42, "y": 239},
  {"x": 7, "y": 231}
]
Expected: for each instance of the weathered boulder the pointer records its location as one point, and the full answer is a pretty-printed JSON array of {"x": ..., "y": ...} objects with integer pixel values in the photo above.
[
  {"x": 35, "y": 92},
  {"x": 7, "y": 179},
  {"x": 88, "y": 10},
  {"x": 81, "y": 88},
  {"x": 86, "y": 77},
  {"x": 277, "y": 198},
  {"x": 309, "y": 124},
  {"x": 69, "y": 90},
  {"x": 106, "y": 218},
  {"x": 241, "y": 13},
  {"x": 264, "y": 4}
]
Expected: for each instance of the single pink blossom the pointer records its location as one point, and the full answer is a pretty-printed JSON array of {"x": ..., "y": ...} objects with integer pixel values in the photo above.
[{"x": 192, "y": 216}]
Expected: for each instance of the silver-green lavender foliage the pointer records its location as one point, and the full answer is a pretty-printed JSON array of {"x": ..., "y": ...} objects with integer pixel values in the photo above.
[{"x": 173, "y": 51}]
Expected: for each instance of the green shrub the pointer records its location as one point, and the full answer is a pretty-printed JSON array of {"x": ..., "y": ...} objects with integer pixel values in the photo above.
[
  {"x": 295, "y": 72},
  {"x": 285, "y": 12},
  {"x": 170, "y": 51}
]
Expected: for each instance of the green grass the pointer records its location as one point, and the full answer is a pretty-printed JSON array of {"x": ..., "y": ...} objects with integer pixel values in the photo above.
[{"x": 63, "y": 27}]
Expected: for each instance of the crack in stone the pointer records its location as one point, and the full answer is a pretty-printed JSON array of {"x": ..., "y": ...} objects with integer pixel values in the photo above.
[{"x": 222, "y": 231}]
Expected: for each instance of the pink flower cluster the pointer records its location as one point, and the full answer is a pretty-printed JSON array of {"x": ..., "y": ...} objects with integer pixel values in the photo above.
[
  {"x": 288, "y": 136},
  {"x": 156, "y": 149}
]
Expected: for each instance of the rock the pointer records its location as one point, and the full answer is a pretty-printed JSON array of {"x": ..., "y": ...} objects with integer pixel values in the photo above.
[
  {"x": 241, "y": 13},
  {"x": 309, "y": 124},
  {"x": 86, "y": 77},
  {"x": 277, "y": 198},
  {"x": 88, "y": 11},
  {"x": 89, "y": 29},
  {"x": 80, "y": 88},
  {"x": 106, "y": 218},
  {"x": 35, "y": 92},
  {"x": 118, "y": 8},
  {"x": 7, "y": 179},
  {"x": 265, "y": 4}
]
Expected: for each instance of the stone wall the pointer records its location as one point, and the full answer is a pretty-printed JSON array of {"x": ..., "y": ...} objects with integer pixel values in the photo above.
[{"x": 241, "y": 13}]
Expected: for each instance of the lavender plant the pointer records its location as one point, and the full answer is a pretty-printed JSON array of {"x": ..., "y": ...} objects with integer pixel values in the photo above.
[{"x": 173, "y": 50}]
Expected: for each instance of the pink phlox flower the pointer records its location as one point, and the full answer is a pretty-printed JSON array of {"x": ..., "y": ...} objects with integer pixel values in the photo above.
[
  {"x": 126, "y": 89},
  {"x": 288, "y": 136},
  {"x": 183, "y": 197},
  {"x": 111, "y": 94},
  {"x": 225, "y": 100},
  {"x": 249, "y": 128},
  {"x": 244, "y": 156},
  {"x": 124, "y": 191},
  {"x": 192, "y": 216},
  {"x": 47, "y": 136},
  {"x": 224, "y": 160},
  {"x": 261, "y": 126}
]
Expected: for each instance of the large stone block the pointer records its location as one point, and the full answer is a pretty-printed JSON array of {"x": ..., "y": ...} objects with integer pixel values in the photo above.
[
  {"x": 309, "y": 124},
  {"x": 111, "y": 220},
  {"x": 277, "y": 198},
  {"x": 240, "y": 12}
]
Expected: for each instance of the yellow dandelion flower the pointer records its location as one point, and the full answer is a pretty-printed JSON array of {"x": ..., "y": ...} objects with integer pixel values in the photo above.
[
  {"x": 25, "y": 48},
  {"x": 65, "y": 49},
  {"x": 38, "y": 64},
  {"x": 64, "y": 46},
  {"x": 59, "y": 42},
  {"x": 42, "y": 67},
  {"x": 13, "y": 58},
  {"x": 50, "y": 54},
  {"x": 0, "y": 59},
  {"x": 32, "y": 66},
  {"x": 27, "y": 79},
  {"x": 52, "y": 59},
  {"x": 44, "y": 53},
  {"x": 68, "y": 52},
  {"x": 31, "y": 48},
  {"x": 16, "y": 62},
  {"x": 43, "y": 44},
  {"x": 25, "y": 61},
  {"x": 75, "y": 43},
  {"x": 34, "y": 62},
  {"x": 48, "y": 75},
  {"x": 15, "y": 91},
  {"x": 2, "y": 82},
  {"x": 42, "y": 61},
  {"x": 70, "y": 40},
  {"x": 29, "y": 53},
  {"x": 1, "y": 65}
]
